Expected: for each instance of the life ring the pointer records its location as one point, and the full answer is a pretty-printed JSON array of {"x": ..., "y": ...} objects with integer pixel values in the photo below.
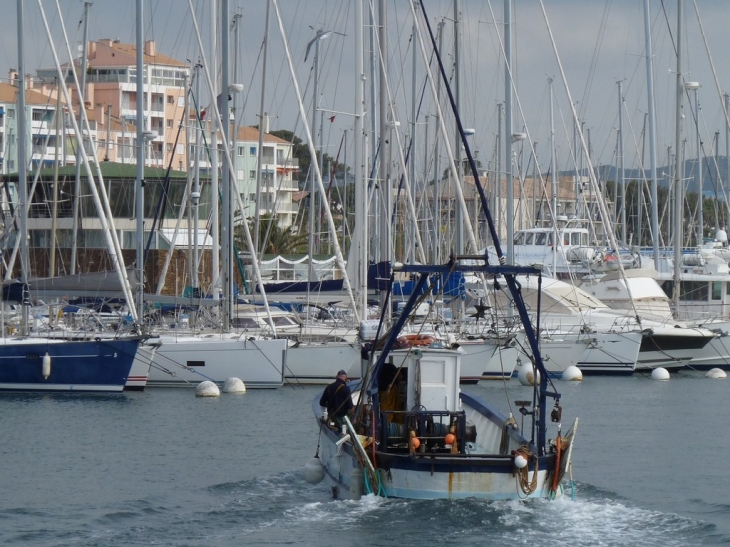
[{"x": 416, "y": 340}]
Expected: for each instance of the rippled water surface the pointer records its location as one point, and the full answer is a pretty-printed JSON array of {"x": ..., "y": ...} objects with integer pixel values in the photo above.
[{"x": 163, "y": 467}]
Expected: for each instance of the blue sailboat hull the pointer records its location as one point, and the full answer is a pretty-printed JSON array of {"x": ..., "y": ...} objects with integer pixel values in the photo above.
[{"x": 83, "y": 365}]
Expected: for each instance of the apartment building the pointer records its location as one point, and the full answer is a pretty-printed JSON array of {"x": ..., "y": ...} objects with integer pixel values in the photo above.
[{"x": 111, "y": 109}]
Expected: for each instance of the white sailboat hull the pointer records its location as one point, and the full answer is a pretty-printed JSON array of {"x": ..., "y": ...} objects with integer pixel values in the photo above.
[
  {"x": 186, "y": 361},
  {"x": 319, "y": 363}
]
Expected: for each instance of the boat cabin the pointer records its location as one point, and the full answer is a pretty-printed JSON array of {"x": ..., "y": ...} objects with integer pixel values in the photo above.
[{"x": 419, "y": 397}]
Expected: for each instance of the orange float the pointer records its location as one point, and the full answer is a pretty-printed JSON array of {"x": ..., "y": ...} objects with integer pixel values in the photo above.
[{"x": 416, "y": 340}]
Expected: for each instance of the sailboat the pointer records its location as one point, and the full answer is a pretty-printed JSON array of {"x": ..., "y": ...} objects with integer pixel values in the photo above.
[
  {"x": 413, "y": 433},
  {"x": 43, "y": 363}
]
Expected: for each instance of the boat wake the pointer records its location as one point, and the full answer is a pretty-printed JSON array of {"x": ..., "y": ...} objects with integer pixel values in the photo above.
[{"x": 287, "y": 507}]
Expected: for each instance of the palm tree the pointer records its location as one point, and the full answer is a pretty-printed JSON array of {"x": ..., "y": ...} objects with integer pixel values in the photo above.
[{"x": 273, "y": 239}]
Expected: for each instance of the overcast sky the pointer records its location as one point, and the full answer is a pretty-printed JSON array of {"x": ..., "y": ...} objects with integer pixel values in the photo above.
[{"x": 599, "y": 43}]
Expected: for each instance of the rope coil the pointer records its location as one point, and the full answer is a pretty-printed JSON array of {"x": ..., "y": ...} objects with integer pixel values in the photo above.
[{"x": 523, "y": 475}]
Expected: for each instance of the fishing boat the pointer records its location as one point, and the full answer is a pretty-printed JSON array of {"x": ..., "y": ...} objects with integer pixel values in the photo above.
[{"x": 415, "y": 435}]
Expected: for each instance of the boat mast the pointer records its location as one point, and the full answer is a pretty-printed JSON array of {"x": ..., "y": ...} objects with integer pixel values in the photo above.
[
  {"x": 652, "y": 135},
  {"x": 139, "y": 183},
  {"x": 458, "y": 214},
  {"x": 622, "y": 179},
  {"x": 214, "y": 183},
  {"x": 678, "y": 164},
  {"x": 22, "y": 171},
  {"x": 436, "y": 258},
  {"x": 510, "y": 214},
  {"x": 196, "y": 179},
  {"x": 262, "y": 127},
  {"x": 553, "y": 176},
  {"x": 226, "y": 202},
  {"x": 385, "y": 203},
  {"x": 54, "y": 216},
  {"x": 410, "y": 251},
  {"x": 361, "y": 209},
  {"x": 80, "y": 142}
]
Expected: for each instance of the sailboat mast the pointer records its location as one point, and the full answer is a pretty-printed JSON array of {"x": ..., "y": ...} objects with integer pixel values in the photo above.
[
  {"x": 510, "y": 215},
  {"x": 22, "y": 168},
  {"x": 196, "y": 179},
  {"x": 622, "y": 175},
  {"x": 79, "y": 142},
  {"x": 385, "y": 202},
  {"x": 226, "y": 203},
  {"x": 262, "y": 128},
  {"x": 54, "y": 216},
  {"x": 652, "y": 135},
  {"x": 458, "y": 213},
  {"x": 678, "y": 164},
  {"x": 214, "y": 183},
  {"x": 361, "y": 209},
  {"x": 139, "y": 265},
  {"x": 553, "y": 175}
]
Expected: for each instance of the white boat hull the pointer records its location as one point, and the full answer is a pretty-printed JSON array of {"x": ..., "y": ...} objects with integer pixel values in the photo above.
[
  {"x": 186, "y": 361},
  {"x": 319, "y": 363}
]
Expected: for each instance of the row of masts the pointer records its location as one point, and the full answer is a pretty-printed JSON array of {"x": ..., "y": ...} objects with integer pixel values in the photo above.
[{"x": 382, "y": 203}]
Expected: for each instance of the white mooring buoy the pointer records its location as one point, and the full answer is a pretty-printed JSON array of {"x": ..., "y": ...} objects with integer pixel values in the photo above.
[
  {"x": 520, "y": 461},
  {"x": 716, "y": 374},
  {"x": 234, "y": 385},
  {"x": 572, "y": 374},
  {"x": 660, "y": 373},
  {"x": 527, "y": 375},
  {"x": 207, "y": 389},
  {"x": 313, "y": 471}
]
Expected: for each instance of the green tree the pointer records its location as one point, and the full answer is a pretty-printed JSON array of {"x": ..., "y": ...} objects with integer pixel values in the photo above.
[{"x": 273, "y": 239}]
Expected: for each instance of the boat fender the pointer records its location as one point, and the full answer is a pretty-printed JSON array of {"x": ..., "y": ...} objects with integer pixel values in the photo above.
[
  {"x": 46, "y": 366},
  {"x": 313, "y": 471},
  {"x": 716, "y": 374},
  {"x": 520, "y": 461}
]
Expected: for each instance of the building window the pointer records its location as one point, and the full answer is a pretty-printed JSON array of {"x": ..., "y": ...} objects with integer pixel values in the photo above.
[
  {"x": 240, "y": 150},
  {"x": 252, "y": 174},
  {"x": 180, "y": 148},
  {"x": 11, "y": 113},
  {"x": 252, "y": 151},
  {"x": 170, "y": 99},
  {"x": 169, "y": 124},
  {"x": 169, "y": 147}
]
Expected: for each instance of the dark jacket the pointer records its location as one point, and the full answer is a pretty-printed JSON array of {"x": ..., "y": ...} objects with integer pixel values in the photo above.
[{"x": 336, "y": 398}]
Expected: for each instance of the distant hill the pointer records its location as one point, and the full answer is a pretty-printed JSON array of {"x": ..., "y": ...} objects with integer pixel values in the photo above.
[{"x": 710, "y": 176}]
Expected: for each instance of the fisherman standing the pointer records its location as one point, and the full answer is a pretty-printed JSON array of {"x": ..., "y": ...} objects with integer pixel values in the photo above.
[{"x": 337, "y": 399}]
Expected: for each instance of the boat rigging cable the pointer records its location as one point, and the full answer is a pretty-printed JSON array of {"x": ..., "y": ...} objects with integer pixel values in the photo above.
[{"x": 510, "y": 272}]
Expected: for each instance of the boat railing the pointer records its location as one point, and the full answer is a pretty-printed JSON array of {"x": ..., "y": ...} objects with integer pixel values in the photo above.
[{"x": 430, "y": 427}]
